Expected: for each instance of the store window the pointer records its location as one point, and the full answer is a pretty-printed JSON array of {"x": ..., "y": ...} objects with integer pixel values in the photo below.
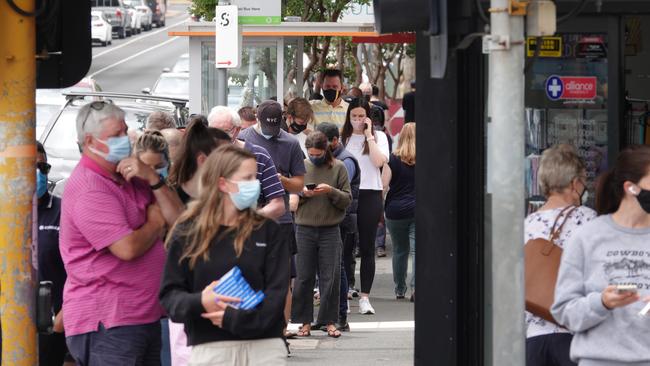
[
  {"x": 250, "y": 84},
  {"x": 566, "y": 102}
]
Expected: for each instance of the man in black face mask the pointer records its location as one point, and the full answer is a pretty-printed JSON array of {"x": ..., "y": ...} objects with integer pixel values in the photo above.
[
  {"x": 332, "y": 108},
  {"x": 298, "y": 120}
]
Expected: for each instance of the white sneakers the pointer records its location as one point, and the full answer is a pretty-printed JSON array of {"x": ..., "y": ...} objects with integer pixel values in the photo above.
[{"x": 365, "y": 307}]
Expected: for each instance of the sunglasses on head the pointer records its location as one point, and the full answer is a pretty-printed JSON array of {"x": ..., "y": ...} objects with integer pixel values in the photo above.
[
  {"x": 96, "y": 105},
  {"x": 43, "y": 167}
]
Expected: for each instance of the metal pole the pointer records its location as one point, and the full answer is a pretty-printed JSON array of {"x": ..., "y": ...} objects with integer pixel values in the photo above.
[
  {"x": 222, "y": 76},
  {"x": 506, "y": 187},
  {"x": 17, "y": 183}
]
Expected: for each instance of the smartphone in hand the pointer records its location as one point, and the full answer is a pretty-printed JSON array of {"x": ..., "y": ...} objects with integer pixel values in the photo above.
[
  {"x": 626, "y": 288},
  {"x": 310, "y": 186}
]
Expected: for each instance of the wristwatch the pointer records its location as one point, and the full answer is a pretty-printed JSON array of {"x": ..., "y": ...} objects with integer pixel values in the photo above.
[{"x": 160, "y": 183}]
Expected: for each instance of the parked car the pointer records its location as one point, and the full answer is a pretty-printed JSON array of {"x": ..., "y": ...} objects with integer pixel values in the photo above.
[
  {"x": 145, "y": 12},
  {"x": 60, "y": 136},
  {"x": 136, "y": 19},
  {"x": 158, "y": 10},
  {"x": 50, "y": 101},
  {"x": 117, "y": 14},
  {"x": 101, "y": 28},
  {"x": 171, "y": 84}
]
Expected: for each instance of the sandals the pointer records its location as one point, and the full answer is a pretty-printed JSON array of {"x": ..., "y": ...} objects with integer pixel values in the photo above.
[
  {"x": 303, "y": 333},
  {"x": 333, "y": 332}
]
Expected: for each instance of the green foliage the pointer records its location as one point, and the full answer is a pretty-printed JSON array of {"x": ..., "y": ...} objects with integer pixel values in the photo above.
[{"x": 203, "y": 9}]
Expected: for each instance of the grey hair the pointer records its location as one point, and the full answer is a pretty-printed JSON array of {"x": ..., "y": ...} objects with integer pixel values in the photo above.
[
  {"x": 221, "y": 110},
  {"x": 559, "y": 165},
  {"x": 89, "y": 120}
]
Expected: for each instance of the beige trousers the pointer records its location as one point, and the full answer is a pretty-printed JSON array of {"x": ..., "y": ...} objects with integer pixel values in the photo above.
[{"x": 267, "y": 352}]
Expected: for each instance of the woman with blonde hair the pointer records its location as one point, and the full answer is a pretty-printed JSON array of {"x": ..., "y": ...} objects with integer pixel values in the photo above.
[
  {"x": 152, "y": 149},
  {"x": 398, "y": 177},
  {"x": 220, "y": 230},
  {"x": 562, "y": 180}
]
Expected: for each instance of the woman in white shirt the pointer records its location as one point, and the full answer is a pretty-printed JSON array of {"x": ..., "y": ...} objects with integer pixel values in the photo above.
[{"x": 370, "y": 148}]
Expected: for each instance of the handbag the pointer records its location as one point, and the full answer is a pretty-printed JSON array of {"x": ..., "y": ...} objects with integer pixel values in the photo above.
[{"x": 541, "y": 265}]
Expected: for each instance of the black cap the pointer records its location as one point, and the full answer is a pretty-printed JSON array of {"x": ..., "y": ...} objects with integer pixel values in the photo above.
[{"x": 269, "y": 113}]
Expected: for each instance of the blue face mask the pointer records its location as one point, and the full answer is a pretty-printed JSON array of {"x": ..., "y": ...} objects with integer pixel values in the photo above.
[
  {"x": 119, "y": 148},
  {"x": 41, "y": 184},
  {"x": 249, "y": 191},
  {"x": 268, "y": 137},
  {"x": 318, "y": 160},
  {"x": 163, "y": 172}
]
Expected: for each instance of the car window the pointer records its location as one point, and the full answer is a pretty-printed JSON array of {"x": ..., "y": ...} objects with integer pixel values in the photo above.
[
  {"x": 61, "y": 142},
  {"x": 172, "y": 86},
  {"x": 133, "y": 2},
  {"x": 44, "y": 113},
  {"x": 94, "y": 18},
  {"x": 108, "y": 3}
]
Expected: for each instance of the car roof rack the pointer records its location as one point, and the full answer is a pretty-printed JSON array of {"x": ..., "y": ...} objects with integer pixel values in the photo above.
[{"x": 177, "y": 102}]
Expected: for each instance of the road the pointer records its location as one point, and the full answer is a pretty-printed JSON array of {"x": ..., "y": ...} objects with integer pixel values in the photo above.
[{"x": 134, "y": 63}]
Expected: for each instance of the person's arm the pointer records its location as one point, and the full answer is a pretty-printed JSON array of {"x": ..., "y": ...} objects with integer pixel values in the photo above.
[
  {"x": 274, "y": 209},
  {"x": 176, "y": 294},
  {"x": 293, "y": 184},
  {"x": 575, "y": 309},
  {"x": 137, "y": 243},
  {"x": 249, "y": 324},
  {"x": 350, "y": 168},
  {"x": 294, "y": 200},
  {"x": 170, "y": 204},
  {"x": 378, "y": 150},
  {"x": 341, "y": 195},
  {"x": 386, "y": 176},
  {"x": 297, "y": 171}
]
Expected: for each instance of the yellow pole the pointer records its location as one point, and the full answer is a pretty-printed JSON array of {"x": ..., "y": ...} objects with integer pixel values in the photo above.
[{"x": 17, "y": 182}]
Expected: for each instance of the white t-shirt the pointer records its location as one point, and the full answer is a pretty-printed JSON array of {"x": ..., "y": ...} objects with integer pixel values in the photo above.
[
  {"x": 538, "y": 225},
  {"x": 302, "y": 137},
  {"x": 370, "y": 175}
]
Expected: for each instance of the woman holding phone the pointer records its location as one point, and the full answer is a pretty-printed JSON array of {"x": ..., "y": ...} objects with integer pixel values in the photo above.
[
  {"x": 322, "y": 208},
  {"x": 605, "y": 270},
  {"x": 370, "y": 148},
  {"x": 220, "y": 230}
]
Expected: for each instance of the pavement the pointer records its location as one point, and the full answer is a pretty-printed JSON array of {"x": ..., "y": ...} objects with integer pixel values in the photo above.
[{"x": 385, "y": 338}]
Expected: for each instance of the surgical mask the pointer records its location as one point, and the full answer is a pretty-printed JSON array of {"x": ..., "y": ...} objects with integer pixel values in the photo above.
[
  {"x": 297, "y": 128},
  {"x": 358, "y": 124},
  {"x": 331, "y": 95},
  {"x": 41, "y": 184},
  {"x": 584, "y": 198},
  {"x": 318, "y": 160},
  {"x": 163, "y": 172},
  {"x": 249, "y": 192},
  {"x": 119, "y": 148},
  {"x": 644, "y": 200}
]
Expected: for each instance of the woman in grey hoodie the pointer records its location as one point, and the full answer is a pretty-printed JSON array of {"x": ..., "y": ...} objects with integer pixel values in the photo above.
[{"x": 604, "y": 256}]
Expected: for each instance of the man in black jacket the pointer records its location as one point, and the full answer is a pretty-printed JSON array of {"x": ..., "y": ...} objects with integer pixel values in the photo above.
[{"x": 349, "y": 225}]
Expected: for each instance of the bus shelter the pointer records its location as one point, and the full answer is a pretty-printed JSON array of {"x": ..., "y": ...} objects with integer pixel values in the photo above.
[{"x": 271, "y": 63}]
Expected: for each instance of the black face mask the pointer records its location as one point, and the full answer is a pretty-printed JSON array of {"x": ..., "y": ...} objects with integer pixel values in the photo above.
[
  {"x": 296, "y": 128},
  {"x": 318, "y": 160},
  {"x": 330, "y": 95},
  {"x": 644, "y": 200}
]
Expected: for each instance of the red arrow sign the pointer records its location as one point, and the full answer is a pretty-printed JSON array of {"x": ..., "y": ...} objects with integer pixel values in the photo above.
[{"x": 224, "y": 63}]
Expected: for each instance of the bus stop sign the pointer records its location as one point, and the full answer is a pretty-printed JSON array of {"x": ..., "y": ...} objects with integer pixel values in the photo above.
[{"x": 227, "y": 37}]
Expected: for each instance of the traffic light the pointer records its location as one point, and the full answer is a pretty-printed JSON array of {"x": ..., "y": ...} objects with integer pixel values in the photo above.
[
  {"x": 63, "y": 42},
  {"x": 392, "y": 16}
]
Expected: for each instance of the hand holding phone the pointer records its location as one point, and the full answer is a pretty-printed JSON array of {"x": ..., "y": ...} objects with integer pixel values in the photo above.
[
  {"x": 626, "y": 288},
  {"x": 310, "y": 186}
]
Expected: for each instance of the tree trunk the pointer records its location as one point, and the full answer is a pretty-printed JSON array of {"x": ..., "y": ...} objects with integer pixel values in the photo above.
[
  {"x": 358, "y": 70},
  {"x": 340, "y": 53}
]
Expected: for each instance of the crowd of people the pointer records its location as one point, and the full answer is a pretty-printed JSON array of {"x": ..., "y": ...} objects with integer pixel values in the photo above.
[{"x": 149, "y": 223}]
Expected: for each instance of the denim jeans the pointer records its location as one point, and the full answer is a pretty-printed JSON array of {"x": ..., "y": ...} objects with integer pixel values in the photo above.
[
  {"x": 319, "y": 248},
  {"x": 402, "y": 232}
]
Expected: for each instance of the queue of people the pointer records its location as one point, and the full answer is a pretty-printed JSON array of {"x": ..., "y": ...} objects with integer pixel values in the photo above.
[{"x": 151, "y": 221}]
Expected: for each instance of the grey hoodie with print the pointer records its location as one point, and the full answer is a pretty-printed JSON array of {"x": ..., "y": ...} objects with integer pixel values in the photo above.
[{"x": 599, "y": 254}]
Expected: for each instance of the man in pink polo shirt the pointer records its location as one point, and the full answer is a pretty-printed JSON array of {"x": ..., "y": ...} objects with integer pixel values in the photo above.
[{"x": 115, "y": 211}]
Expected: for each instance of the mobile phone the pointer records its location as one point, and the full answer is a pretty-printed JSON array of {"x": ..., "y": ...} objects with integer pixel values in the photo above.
[
  {"x": 626, "y": 288},
  {"x": 310, "y": 186}
]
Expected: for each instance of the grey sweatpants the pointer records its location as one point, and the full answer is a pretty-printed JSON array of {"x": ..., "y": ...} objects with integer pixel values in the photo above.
[{"x": 319, "y": 249}]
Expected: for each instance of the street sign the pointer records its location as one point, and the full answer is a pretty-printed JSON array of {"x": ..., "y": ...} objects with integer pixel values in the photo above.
[
  {"x": 551, "y": 47},
  {"x": 227, "y": 38},
  {"x": 571, "y": 87},
  {"x": 259, "y": 12}
]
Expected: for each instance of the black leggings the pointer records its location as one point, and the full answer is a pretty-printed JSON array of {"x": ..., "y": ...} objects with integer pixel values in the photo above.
[{"x": 368, "y": 216}]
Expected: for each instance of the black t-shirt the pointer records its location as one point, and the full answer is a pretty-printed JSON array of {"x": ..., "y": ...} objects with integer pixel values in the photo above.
[
  {"x": 400, "y": 201},
  {"x": 263, "y": 262},
  {"x": 380, "y": 104},
  {"x": 50, "y": 264}
]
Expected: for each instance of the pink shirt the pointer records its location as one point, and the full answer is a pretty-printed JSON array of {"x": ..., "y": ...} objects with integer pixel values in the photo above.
[{"x": 99, "y": 209}]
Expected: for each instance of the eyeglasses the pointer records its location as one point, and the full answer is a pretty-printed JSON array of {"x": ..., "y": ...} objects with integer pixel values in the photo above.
[
  {"x": 96, "y": 105},
  {"x": 43, "y": 167}
]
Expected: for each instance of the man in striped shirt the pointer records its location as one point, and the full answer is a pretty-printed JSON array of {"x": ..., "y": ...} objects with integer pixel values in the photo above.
[
  {"x": 272, "y": 195},
  {"x": 332, "y": 108}
]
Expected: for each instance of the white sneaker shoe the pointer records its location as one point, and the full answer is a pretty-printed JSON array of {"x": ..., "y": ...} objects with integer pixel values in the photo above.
[
  {"x": 365, "y": 307},
  {"x": 349, "y": 311}
]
